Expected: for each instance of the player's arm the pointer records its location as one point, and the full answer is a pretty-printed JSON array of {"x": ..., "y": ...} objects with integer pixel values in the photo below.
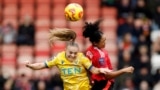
[
  {"x": 88, "y": 65},
  {"x": 36, "y": 66},
  {"x": 114, "y": 74},
  {"x": 95, "y": 70}
]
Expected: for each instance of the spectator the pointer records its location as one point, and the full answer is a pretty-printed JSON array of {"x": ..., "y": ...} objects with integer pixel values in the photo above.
[
  {"x": 2, "y": 80},
  {"x": 157, "y": 76},
  {"x": 126, "y": 43},
  {"x": 144, "y": 85},
  {"x": 143, "y": 74},
  {"x": 155, "y": 55},
  {"x": 124, "y": 8},
  {"x": 156, "y": 17},
  {"x": 128, "y": 84},
  {"x": 1, "y": 33},
  {"x": 125, "y": 60},
  {"x": 157, "y": 86},
  {"x": 9, "y": 34},
  {"x": 26, "y": 32}
]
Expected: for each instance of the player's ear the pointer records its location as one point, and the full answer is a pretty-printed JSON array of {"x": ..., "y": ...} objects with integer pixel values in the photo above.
[{"x": 95, "y": 44}]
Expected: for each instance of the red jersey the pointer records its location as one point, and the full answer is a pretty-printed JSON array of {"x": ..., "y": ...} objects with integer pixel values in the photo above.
[{"x": 100, "y": 59}]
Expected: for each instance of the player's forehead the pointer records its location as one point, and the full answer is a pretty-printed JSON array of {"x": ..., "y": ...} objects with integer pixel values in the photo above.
[{"x": 72, "y": 48}]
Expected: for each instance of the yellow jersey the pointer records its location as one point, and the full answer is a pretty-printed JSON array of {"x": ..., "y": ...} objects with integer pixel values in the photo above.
[{"x": 73, "y": 74}]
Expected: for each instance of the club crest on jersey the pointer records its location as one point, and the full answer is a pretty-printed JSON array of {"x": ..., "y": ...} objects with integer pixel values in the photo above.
[{"x": 101, "y": 61}]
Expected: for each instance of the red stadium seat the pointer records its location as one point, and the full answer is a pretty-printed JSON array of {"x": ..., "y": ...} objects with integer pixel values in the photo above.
[
  {"x": 77, "y": 24},
  {"x": 111, "y": 34},
  {"x": 9, "y": 60},
  {"x": 22, "y": 58},
  {"x": 43, "y": 1},
  {"x": 43, "y": 10},
  {"x": 57, "y": 11},
  {"x": 109, "y": 24},
  {"x": 9, "y": 48},
  {"x": 9, "y": 52},
  {"x": 25, "y": 50},
  {"x": 43, "y": 22},
  {"x": 42, "y": 36},
  {"x": 8, "y": 71},
  {"x": 42, "y": 58},
  {"x": 59, "y": 2},
  {"x": 10, "y": 10},
  {"x": 81, "y": 2},
  {"x": 6, "y": 2},
  {"x": 27, "y": 9},
  {"x": 92, "y": 3},
  {"x": 59, "y": 23},
  {"x": 12, "y": 20},
  {"x": 42, "y": 49},
  {"x": 92, "y": 12},
  {"x": 109, "y": 12},
  {"x": 58, "y": 46},
  {"x": 27, "y": 1}
]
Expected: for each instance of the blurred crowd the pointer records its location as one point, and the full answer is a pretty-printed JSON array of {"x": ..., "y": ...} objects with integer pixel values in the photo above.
[{"x": 138, "y": 45}]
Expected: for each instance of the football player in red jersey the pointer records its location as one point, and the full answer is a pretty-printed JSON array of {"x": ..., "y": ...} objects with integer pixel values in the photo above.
[{"x": 98, "y": 55}]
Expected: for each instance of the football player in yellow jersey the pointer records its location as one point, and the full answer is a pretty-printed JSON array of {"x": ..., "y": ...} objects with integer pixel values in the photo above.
[{"x": 73, "y": 65}]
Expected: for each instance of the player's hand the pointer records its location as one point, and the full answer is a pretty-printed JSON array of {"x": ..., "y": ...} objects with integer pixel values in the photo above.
[
  {"x": 129, "y": 69},
  {"x": 104, "y": 70},
  {"x": 27, "y": 63}
]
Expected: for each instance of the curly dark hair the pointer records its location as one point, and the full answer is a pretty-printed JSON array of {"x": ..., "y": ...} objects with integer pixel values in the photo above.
[{"x": 92, "y": 31}]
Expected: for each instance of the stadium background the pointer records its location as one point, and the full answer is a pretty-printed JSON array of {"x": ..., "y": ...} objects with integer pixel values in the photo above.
[{"x": 132, "y": 28}]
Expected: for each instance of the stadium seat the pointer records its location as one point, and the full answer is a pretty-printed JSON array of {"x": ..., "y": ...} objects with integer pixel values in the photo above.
[
  {"x": 42, "y": 49},
  {"x": 27, "y": 1},
  {"x": 25, "y": 50},
  {"x": 58, "y": 46},
  {"x": 8, "y": 71},
  {"x": 9, "y": 48},
  {"x": 110, "y": 34},
  {"x": 109, "y": 12},
  {"x": 7, "y": 2},
  {"x": 43, "y": 10},
  {"x": 59, "y": 23},
  {"x": 59, "y": 2},
  {"x": 23, "y": 70},
  {"x": 9, "y": 60},
  {"x": 109, "y": 24},
  {"x": 12, "y": 20},
  {"x": 92, "y": 12},
  {"x": 43, "y": 22},
  {"x": 42, "y": 36},
  {"x": 10, "y": 10},
  {"x": 81, "y": 2},
  {"x": 43, "y": 1},
  {"x": 111, "y": 46},
  {"x": 57, "y": 11},
  {"x": 9, "y": 53},
  {"x": 42, "y": 58},
  {"x": 26, "y": 9},
  {"x": 92, "y": 3},
  {"x": 22, "y": 58},
  {"x": 77, "y": 24}
]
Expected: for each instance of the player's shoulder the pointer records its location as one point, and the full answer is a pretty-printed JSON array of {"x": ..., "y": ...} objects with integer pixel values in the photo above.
[{"x": 61, "y": 54}]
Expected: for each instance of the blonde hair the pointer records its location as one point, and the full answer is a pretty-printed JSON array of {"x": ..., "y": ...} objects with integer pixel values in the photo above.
[{"x": 61, "y": 34}]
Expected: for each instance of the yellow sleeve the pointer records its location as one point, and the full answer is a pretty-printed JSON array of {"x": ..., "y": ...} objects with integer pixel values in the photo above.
[
  {"x": 52, "y": 62},
  {"x": 86, "y": 62}
]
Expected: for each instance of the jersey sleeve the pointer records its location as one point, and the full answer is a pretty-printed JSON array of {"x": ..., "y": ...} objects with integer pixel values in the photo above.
[
  {"x": 89, "y": 55},
  {"x": 52, "y": 62},
  {"x": 86, "y": 62}
]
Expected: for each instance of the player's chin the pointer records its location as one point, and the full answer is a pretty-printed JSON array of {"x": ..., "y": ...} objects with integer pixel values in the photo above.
[{"x": 71, "y": 59}]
